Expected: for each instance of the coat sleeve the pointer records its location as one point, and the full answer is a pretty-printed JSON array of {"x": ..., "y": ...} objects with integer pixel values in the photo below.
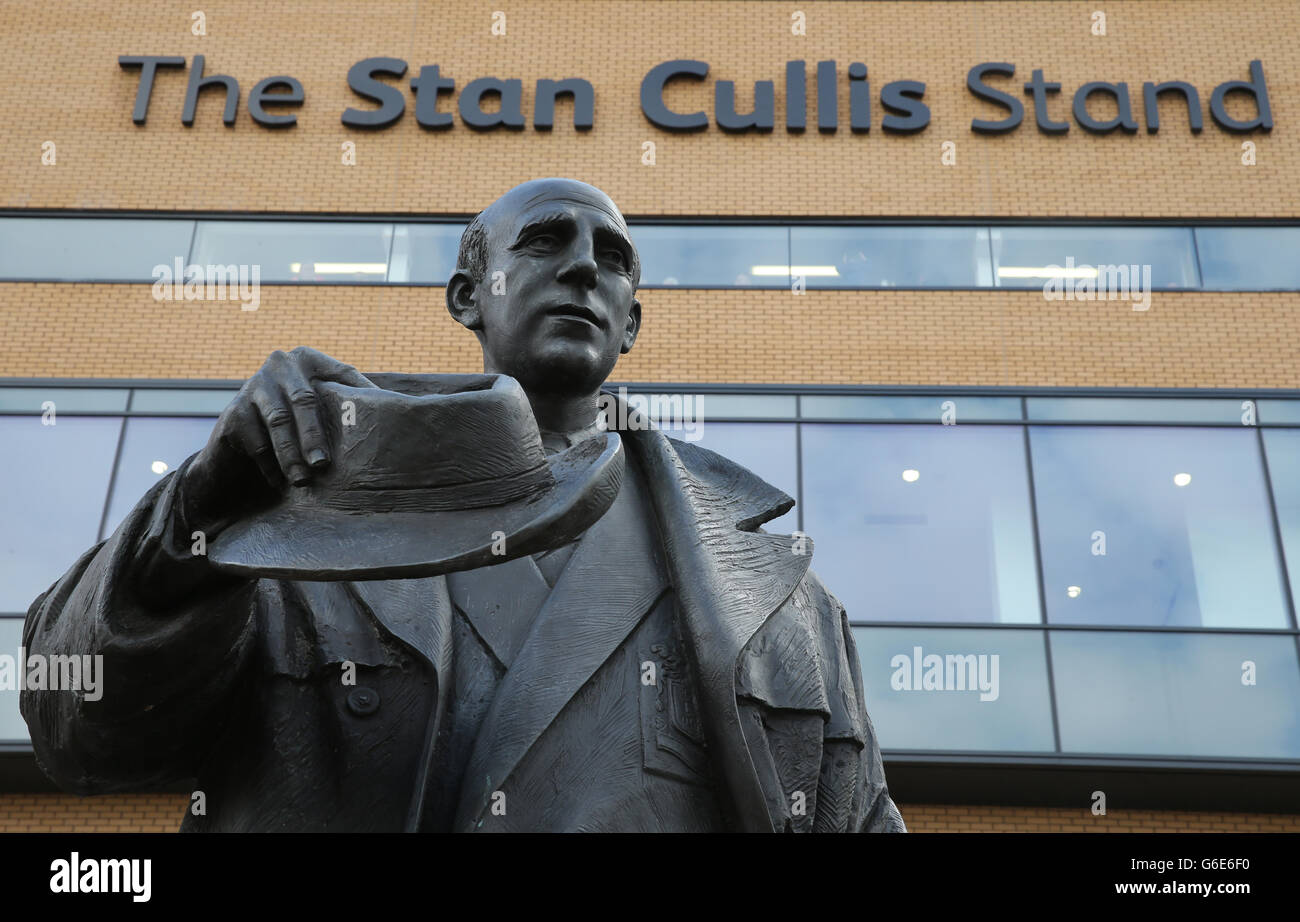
[
  {"x": 801, "y": 694},
  {"x": 168, "y": 673}
]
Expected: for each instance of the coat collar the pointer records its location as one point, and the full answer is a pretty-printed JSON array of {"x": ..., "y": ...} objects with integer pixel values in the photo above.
[{"x": 615, "y": 576}]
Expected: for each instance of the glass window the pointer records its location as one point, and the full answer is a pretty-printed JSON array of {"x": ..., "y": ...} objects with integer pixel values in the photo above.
[
  {"x": 698, "y": 255},
  {"x": 921, "y": 523},
  {"x": 767, "y": 449},
  {"x": 1176, "y": 694},
  {"x": 889, "y": 257},
  {"x": 1166, "y": 526},
  {"x": 180, "y": 400},
  {"x": 1283, "y": 449},
  {"x": 151, "y": 448},
  {"x": 297, "y": 251},
  {"x": 1249, "y": 258},
  {"x": 90, "y": 249},
  {"x": 425, "y": 253},
  {"x": 65, "y": 399},
  {"x": 56, "y": 478},
  {"x": 917, "y": 409},
  {"x": 986, "y": 690},
  {"x": 715, "y": 406},
  {"x": 13, "y": 729},
  {"x": 1026, "y": 257},
  {"x": 1137, "y": 409},
  {"x": 1279, "y": 411}
]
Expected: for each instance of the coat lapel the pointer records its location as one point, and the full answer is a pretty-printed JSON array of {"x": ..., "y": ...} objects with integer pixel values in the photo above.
[{"x": 611, "y": 582}]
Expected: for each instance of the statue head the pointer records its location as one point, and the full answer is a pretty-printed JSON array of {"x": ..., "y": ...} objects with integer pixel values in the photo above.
[{"x": 546, "y": 278}]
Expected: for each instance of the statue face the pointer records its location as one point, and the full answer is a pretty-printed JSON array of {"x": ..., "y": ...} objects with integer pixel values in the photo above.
[{"x": 556, "y": 306}]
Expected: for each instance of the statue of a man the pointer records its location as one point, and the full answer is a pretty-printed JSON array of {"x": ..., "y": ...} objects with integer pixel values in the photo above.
[{"x": 673, "y": 668}]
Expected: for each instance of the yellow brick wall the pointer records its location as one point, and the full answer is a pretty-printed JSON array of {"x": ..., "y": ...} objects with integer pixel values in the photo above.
[
  {"x": 59, "y": 64},
  {"x": 163, "y": 812},
  {"x": 1192, "y": 339}
]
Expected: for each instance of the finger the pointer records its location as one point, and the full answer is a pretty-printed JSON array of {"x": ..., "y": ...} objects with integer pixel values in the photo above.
[
  {"x": 327, "y": 368},
  {"x": 302, "y": 399},
  {"x": 278, "y": 419},
  {"x": 248, "y": 434}
]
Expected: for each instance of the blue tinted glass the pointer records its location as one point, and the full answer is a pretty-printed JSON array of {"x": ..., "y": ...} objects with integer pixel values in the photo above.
[
  {"x": 767, "y": 449},
  {"x": 297, "y": 251},
  {"x": 987, "y": 690},
  {"x": 1181, "y": 515},
  {"x": 424, "y": 253},
  {"x": 151, "y": 448},
  {"x": 949, "y": 410},
  {"x": 90, "y": 249},
  {"x": 891, "y": 257},
  {"x": 1279, "y": 411},
  {"x": 180, "y": 400},
  {"x": 13, "y": 729},
  {"x": 715, "y": 406},
  {"x": 921, "y": 523},
  {"x": 1283, "y": 449},
  {"x": 1175, "y": 694},
  {"x": 56, "y": 479},
  {"x": 1249, "y": 258},
  {"x": 745, "y": 257},
  {"x": 1138, "y": 409},
  {"x": 1022, "y": 255},
  {"x": 65, "y": 399}
]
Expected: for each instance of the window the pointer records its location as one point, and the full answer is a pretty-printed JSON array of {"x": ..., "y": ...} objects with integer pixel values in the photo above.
[
  {"x": 1171, "y": 693},
  {"x": 56, "y": 478},
  {"x": 891, "y": 257},
  {"x": 425, "y": 254},
  {"x": 921, "y": 523},
  {"x": 952, "y": 410},
  {"x": 13, "y": 729},
  {"x": 994, "y": 693},
  {"x": 1147, "y": 526},
  {"x": 91, "y": 249},
  {"x": 1282, "y": 446},
  {"x": 729, "y": 257},
  {"x": 297, "y": 251},
  {"x": 150, "y": 449},
  {"x": 1024, "y": 257},
  {"x": 1249, "y": 258}
]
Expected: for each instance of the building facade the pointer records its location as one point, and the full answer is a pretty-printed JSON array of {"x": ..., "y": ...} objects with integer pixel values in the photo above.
[{"x": 1004, "y": 294}]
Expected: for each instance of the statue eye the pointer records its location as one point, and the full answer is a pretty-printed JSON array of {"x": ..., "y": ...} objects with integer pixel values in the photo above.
[
  {"x": 617, "y": 257},
  {"x": 542, "y": 241}
]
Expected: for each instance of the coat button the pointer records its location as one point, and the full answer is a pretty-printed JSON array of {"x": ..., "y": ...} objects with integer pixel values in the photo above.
[{"x": 363, "y": 701}]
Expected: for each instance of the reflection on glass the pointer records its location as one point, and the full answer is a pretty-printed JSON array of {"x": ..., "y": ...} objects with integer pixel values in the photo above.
[
  {"x": 424, "y": 253},
  {"x": 1283, "y": 449},
  {"x": 1022, "y": 256},
  {"x": 1249, "y": 258},
  {"x": 743, "y": 257},
  {"x": 56, "y": 479},
  {"x": 13, "y": 729},
  {"x": 890, "y": 257},
  {"x": 954, "y": 542},
  {"x": 767, "y": 449},
  {"x": 297, "y": 251},
  {"x": 91, "y": 249},
  {"x": 948, "y": 410},
  {"x": 180, "y": 400},
  {"x": 987, "y": 690},
  {"x": 1174, "y": 694},
  {"x": 1146, "y": 546},
  {"x": 151, "y": 448},
  {"x": 1137, "y": 409},
  {"x": 64, "y": 399}
]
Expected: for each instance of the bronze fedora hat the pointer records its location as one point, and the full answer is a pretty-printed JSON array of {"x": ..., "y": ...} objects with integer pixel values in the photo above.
[{"x": 429, "y": 474}]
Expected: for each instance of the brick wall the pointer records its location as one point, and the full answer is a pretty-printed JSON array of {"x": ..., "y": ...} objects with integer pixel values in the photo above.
[
  {"x": 1188, "y": 339},
  {"x": 60, "y": 63},
  {"x": 162, "y": 813}
]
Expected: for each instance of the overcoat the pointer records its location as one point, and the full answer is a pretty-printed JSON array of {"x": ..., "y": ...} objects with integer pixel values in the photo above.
[{"x": 240, "y": 689}]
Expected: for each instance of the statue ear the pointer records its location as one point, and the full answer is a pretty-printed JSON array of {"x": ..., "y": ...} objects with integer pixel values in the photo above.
[
  {"x": 633, "y": 327},
  {"x": 462, "y": 303}
]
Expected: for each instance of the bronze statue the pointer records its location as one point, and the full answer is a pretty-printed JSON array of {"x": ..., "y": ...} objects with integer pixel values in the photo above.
[{"x": 458, "y": 603}]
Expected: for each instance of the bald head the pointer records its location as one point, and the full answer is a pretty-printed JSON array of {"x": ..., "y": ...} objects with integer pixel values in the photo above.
[{"x": 498, "y": 220}]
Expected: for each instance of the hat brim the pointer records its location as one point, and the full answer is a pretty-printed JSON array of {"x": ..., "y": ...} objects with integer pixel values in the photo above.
[{"x": 302, "y": 540}]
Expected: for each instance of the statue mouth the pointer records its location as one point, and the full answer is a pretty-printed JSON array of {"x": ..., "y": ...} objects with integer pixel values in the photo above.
[{"x": 577, "y": 312}]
